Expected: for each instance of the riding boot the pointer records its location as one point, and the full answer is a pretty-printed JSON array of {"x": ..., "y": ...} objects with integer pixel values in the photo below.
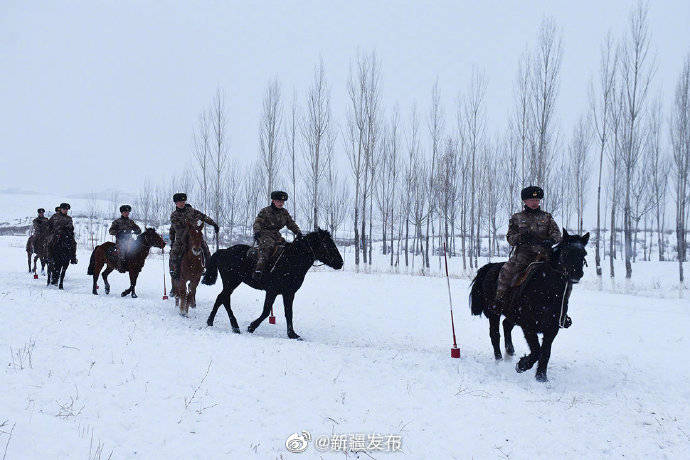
[
  {"x": 259, "y": 270},
  {"x": 121, "y": 265},
  {"x": 497, "y": 307},
  {"x": 74, "y": 260}
]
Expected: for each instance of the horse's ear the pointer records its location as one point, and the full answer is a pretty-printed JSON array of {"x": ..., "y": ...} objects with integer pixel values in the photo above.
[
  {"x": 585, "y": 238},
  {"x": 565, "y": 234}
]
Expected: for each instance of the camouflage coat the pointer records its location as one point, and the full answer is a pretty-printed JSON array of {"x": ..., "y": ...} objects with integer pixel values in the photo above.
[
  {"x": 124, "y": 224},
  {"x": 178, "y": 234},
  {"x": 271, "y": 220},
  {"x": 527, "y": 231},
  {"x": 40, "y": 226},
  {"x": 58, "y": 223}
]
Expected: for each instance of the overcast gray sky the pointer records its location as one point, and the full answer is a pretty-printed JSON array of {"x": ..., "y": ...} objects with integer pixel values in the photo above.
[{"x": 96, "y": 94}]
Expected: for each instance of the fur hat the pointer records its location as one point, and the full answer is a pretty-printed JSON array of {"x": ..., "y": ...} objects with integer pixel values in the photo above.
[
  {"x": 125, "y": 208},
  {"x": 57, "y": 208},
  {"x": 279, "y": 195},
  {"x": 41, "y": 210},
  {"x": 65, "y": 206},
  {"x": 179, "y": 197},
  {"x": 532, "y": 192}
]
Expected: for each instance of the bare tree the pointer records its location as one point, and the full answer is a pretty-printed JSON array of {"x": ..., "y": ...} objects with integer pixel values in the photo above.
[
  {"x": 475, "y": 121},
  {"x": 680, "y": 139},
  {"x": 436, "y": 126},
  {"x": 545, "y": 76},
  {"x": 315, "y": 127},
  {"x": 291, "y": 144},
  {"x": 218, "y": 154},
  {"x": 659, "y": 169},
  {"x": 202, "y": 158},
  {"x": 637, "y": 69},
  {"x": 600, "y": 101},
  {"x": 269, "y": 129},
  {"x": 579, "y": 158}
]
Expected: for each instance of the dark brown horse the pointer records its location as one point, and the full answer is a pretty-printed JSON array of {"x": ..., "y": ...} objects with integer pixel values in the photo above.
[
  {"x": 104, "y": 255},
  {"x": 191, "y": 268},
  {"x": 36, "y": 244}
]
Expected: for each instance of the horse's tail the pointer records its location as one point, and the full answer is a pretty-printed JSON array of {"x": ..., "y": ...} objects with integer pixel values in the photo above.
[
  {"x": 211, "y": 274},
  {"x": 477, "y": 295},
  {"x": 92, "y": 262}
]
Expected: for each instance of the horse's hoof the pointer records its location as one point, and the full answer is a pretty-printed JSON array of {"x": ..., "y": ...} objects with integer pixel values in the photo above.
[
  {"x": 251, "y": 329},
  {"x": 541, "y": 377},
  {"x": 498, "y": 356},
  {"x": 510, "y": 350},
  {"x": 61, "y": 288},
  {"x": 294, "y": 336},
  {"x": 107, "y": 291},
  {"x": 209, "y": 323},
  {"x": 95, "y": 293},
  {"x": 134, "y": 296},
  {"x": 236, "y": 330},
  {"x": 520, "y": 367}
]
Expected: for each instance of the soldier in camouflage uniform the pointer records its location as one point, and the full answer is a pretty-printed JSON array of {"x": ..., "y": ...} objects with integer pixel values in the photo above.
[
  {"x": 531, "y": 232},
  {"x": 40, "y": 229},
  {"x": 123, "y": 228},
  {"x": 61, "y": 222},
  {"x": 267, "y": 226},
  {"x": 182, "y": 215}
]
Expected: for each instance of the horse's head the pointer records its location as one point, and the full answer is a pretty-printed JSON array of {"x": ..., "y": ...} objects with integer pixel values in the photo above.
[
  {"x": 569, "y": 255},
  {"x": 324, "y": 248},
  {"x": 150, "y": 238},
  {"x": 196, "y": 238}
]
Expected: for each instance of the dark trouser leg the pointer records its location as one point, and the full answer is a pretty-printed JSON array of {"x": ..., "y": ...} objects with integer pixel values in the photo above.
[
  {"x": 74, "y": 252},
  {"x": 206, "y": 251},
  {"x": 265, "y": 248},
  {"x": 175, "y": 259}
]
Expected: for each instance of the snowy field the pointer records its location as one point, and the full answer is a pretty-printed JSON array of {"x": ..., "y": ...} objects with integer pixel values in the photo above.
[{"x": 88, "y": 376}]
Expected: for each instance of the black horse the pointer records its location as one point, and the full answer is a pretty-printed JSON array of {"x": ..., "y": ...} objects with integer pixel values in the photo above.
[
  {"x": 538, "y": 305},
  {"x": 59, "y": 255},
  {"x": 285, "y": 278}
]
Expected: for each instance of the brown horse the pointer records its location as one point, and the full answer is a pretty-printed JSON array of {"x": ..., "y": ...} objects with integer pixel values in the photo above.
[
  {"x": 191, "y": 268},
  {"x": 36, "y": 244},
  {"x": 104, "y": 255}
]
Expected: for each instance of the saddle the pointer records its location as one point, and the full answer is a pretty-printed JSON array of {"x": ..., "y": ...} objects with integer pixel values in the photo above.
[
  {"x": 522, "y": 277},
  {"x": 253, "y": 256}
]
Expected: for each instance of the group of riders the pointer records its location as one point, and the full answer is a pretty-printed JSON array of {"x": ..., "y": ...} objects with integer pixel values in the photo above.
[
  {"x": 267, "y": 226},
  {"x": 531, "y": 232}
]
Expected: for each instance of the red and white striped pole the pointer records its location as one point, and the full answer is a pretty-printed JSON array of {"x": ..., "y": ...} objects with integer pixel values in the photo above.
[
  {"x": 165, "y": 293},
  {"x": 455, "y": 351}
]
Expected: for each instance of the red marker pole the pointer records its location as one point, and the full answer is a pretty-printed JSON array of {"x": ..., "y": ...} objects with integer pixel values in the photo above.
[
  {"x": 455, "y": 351},
  {"x": 165, "y": 293},
  {"x": 271, "y": 319}
]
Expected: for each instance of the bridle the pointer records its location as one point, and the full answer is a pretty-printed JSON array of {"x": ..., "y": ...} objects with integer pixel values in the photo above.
[{"x": 313, "y": 254}]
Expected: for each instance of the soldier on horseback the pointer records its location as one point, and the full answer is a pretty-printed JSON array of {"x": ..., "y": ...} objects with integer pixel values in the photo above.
[
  {"x": 267, "y": 226},
  {"x": 62, "y": 222},
  {"x": 531, "y": 232},
  {"x": 182, "y": 215},
  {"x": 123, "y": 228},
  {"x": 40, "y": 228}
]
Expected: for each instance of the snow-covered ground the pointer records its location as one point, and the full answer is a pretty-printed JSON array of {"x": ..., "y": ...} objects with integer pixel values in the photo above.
[{"x": 88, "y": 375}]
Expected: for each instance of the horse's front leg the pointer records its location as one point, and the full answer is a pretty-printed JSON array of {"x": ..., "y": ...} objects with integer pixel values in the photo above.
[
  {"x": 288, "y": 298},
  {"x": 191, "y": 297},
  {"x": 182, "y": 296},
  {"x": 494, "y": 323},
  {"x": 508, "y": 336},
  {"x": 63, "y": 271},
  {"x": 105, "y": 274},
  {"x": 526, "y": 362},
  {"x": 133, "y": 275},
  {"x": 35, "y": 260},
  {"x": 545, "y": 354},
  {"x": 268, "y": 303},
  {"x": 28, "y": 254}
]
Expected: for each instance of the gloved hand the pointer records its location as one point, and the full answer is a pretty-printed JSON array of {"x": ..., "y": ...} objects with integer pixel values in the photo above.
[
  {"x": 256, "y": 236},
  {"x": 548, "y": 242},
  {"x": 216, "y": 228}
]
